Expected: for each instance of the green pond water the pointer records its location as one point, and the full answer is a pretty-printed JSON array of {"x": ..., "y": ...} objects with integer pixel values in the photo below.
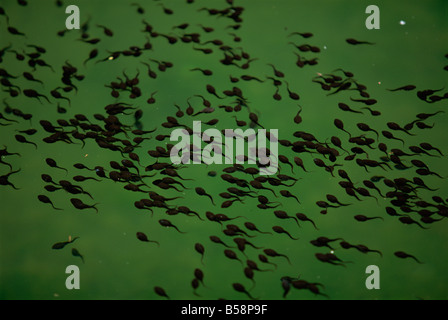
[{"x": 117, "y": 265}]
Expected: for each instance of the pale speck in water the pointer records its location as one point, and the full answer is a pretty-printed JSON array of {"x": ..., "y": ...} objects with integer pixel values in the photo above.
[{"x": 402, "y": 22}]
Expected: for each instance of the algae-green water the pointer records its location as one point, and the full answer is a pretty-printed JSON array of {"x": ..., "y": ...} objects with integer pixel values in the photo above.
[{"x": 409, "y": 48}]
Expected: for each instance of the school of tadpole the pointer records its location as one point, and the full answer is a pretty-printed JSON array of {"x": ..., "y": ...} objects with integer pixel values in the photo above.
[{"x": 395, "y": 171}]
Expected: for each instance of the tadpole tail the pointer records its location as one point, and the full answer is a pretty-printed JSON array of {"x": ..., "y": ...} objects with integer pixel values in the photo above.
[
  {"x": 381, "y": 255},
  {"x": 94, "y": 207},
  {"x": 314, "y": 224},
  {"x": 297, "y": 199},
  {"x": 158, "y": 244},
  {"x": 56, "y": 208},
  {"x": 275, "y": 266},
  {"x": 7, "y": 164},
  {"x": 253, "y": 284},
  {"x": 282, "y": 255},
  {"x": 292, "y": 238},
  {"x": 250, "y": 296},
  {"x": 63, "y": 169},
  {"x": 84, "y": 192},
  {"x": 182, "y": 233},
  {"x": 418, "y": 261},
  {"x": 13, "y": 186},
  {"x": 211, "y": 199}
]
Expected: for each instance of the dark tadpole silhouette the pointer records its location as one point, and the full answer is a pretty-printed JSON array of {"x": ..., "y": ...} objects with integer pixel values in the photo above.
[
  {"x": 346, "y": 108},
  {"x": 168, "y": 224},
  {"x": 264, "y": 259},
  {"x": 52, "y": 163},
  {"x": 408, "y": 220},
  {"x": 22, "y": 139},
  {"x": 4, "y": 153},
  {"x": 232, "y": 255},
  {"x": 195, "y": 286},
  {"x": 205, "y": 72},
  {"x": 82, "y": 179},
  {"x": 212, "y": 90},
  {"x": 200, "y": 191},
  {"x": 287, "y": 194},
  {"x": 280, "y": 230},
  {"x": 329, "y": 258},
  {"x": 144, "y": 238},
  {"x": 333, "y": 199},
  {"x": 61, "y": 245},
  {"x": 250, "y": 226},
  {"x": 5, "y": 182},
  {"x": 299, "y": 162},
  {"x": 240, "y": 288},
  {"x": 323, "y": 242},
  {"x": 200, "y": 249},
  {"x": 29, "y": 132},
  {"x": 78, "y": 204},
  {"x": 273, "y": 253},
  {"x": 257, "y": 185},
  {"x": 303, "y": 217},
  {"x": 428, "y": 147},
  {"x": 106, "y": 30},
  {"x": 364, "y": 249},
  {"x": 31, "y": 93},
  {"x": 161, "y": 292},
  {"x": 216, "y": 239},
  {"x": 286, "y": 285},
  {"x": 302, "y": 34},
  {"x": 30, "y": 77},
  {"x": 356, "y": 42},
  {"x": 254, "y": 118},
  {"x": 93, "y": 54},
  {"x": 76, "y": 253},
  {"x": 362, "y": 218},
  {"x": 283, "y": 215},
  {"x": 403, "y": 255},
  {"x": 292, "y": 95},
  {"x": 298, "y": 118},
  {"x": 15, "y": 32},
  {"x": 46, "y": 200},
  {"x": 340, "y": 125},
  {"x": 389, "y": 135},
  {"x": 404, "y": 88},
  {"x": 199, "y": 274},
  {"x": 249, "y": 273}
]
